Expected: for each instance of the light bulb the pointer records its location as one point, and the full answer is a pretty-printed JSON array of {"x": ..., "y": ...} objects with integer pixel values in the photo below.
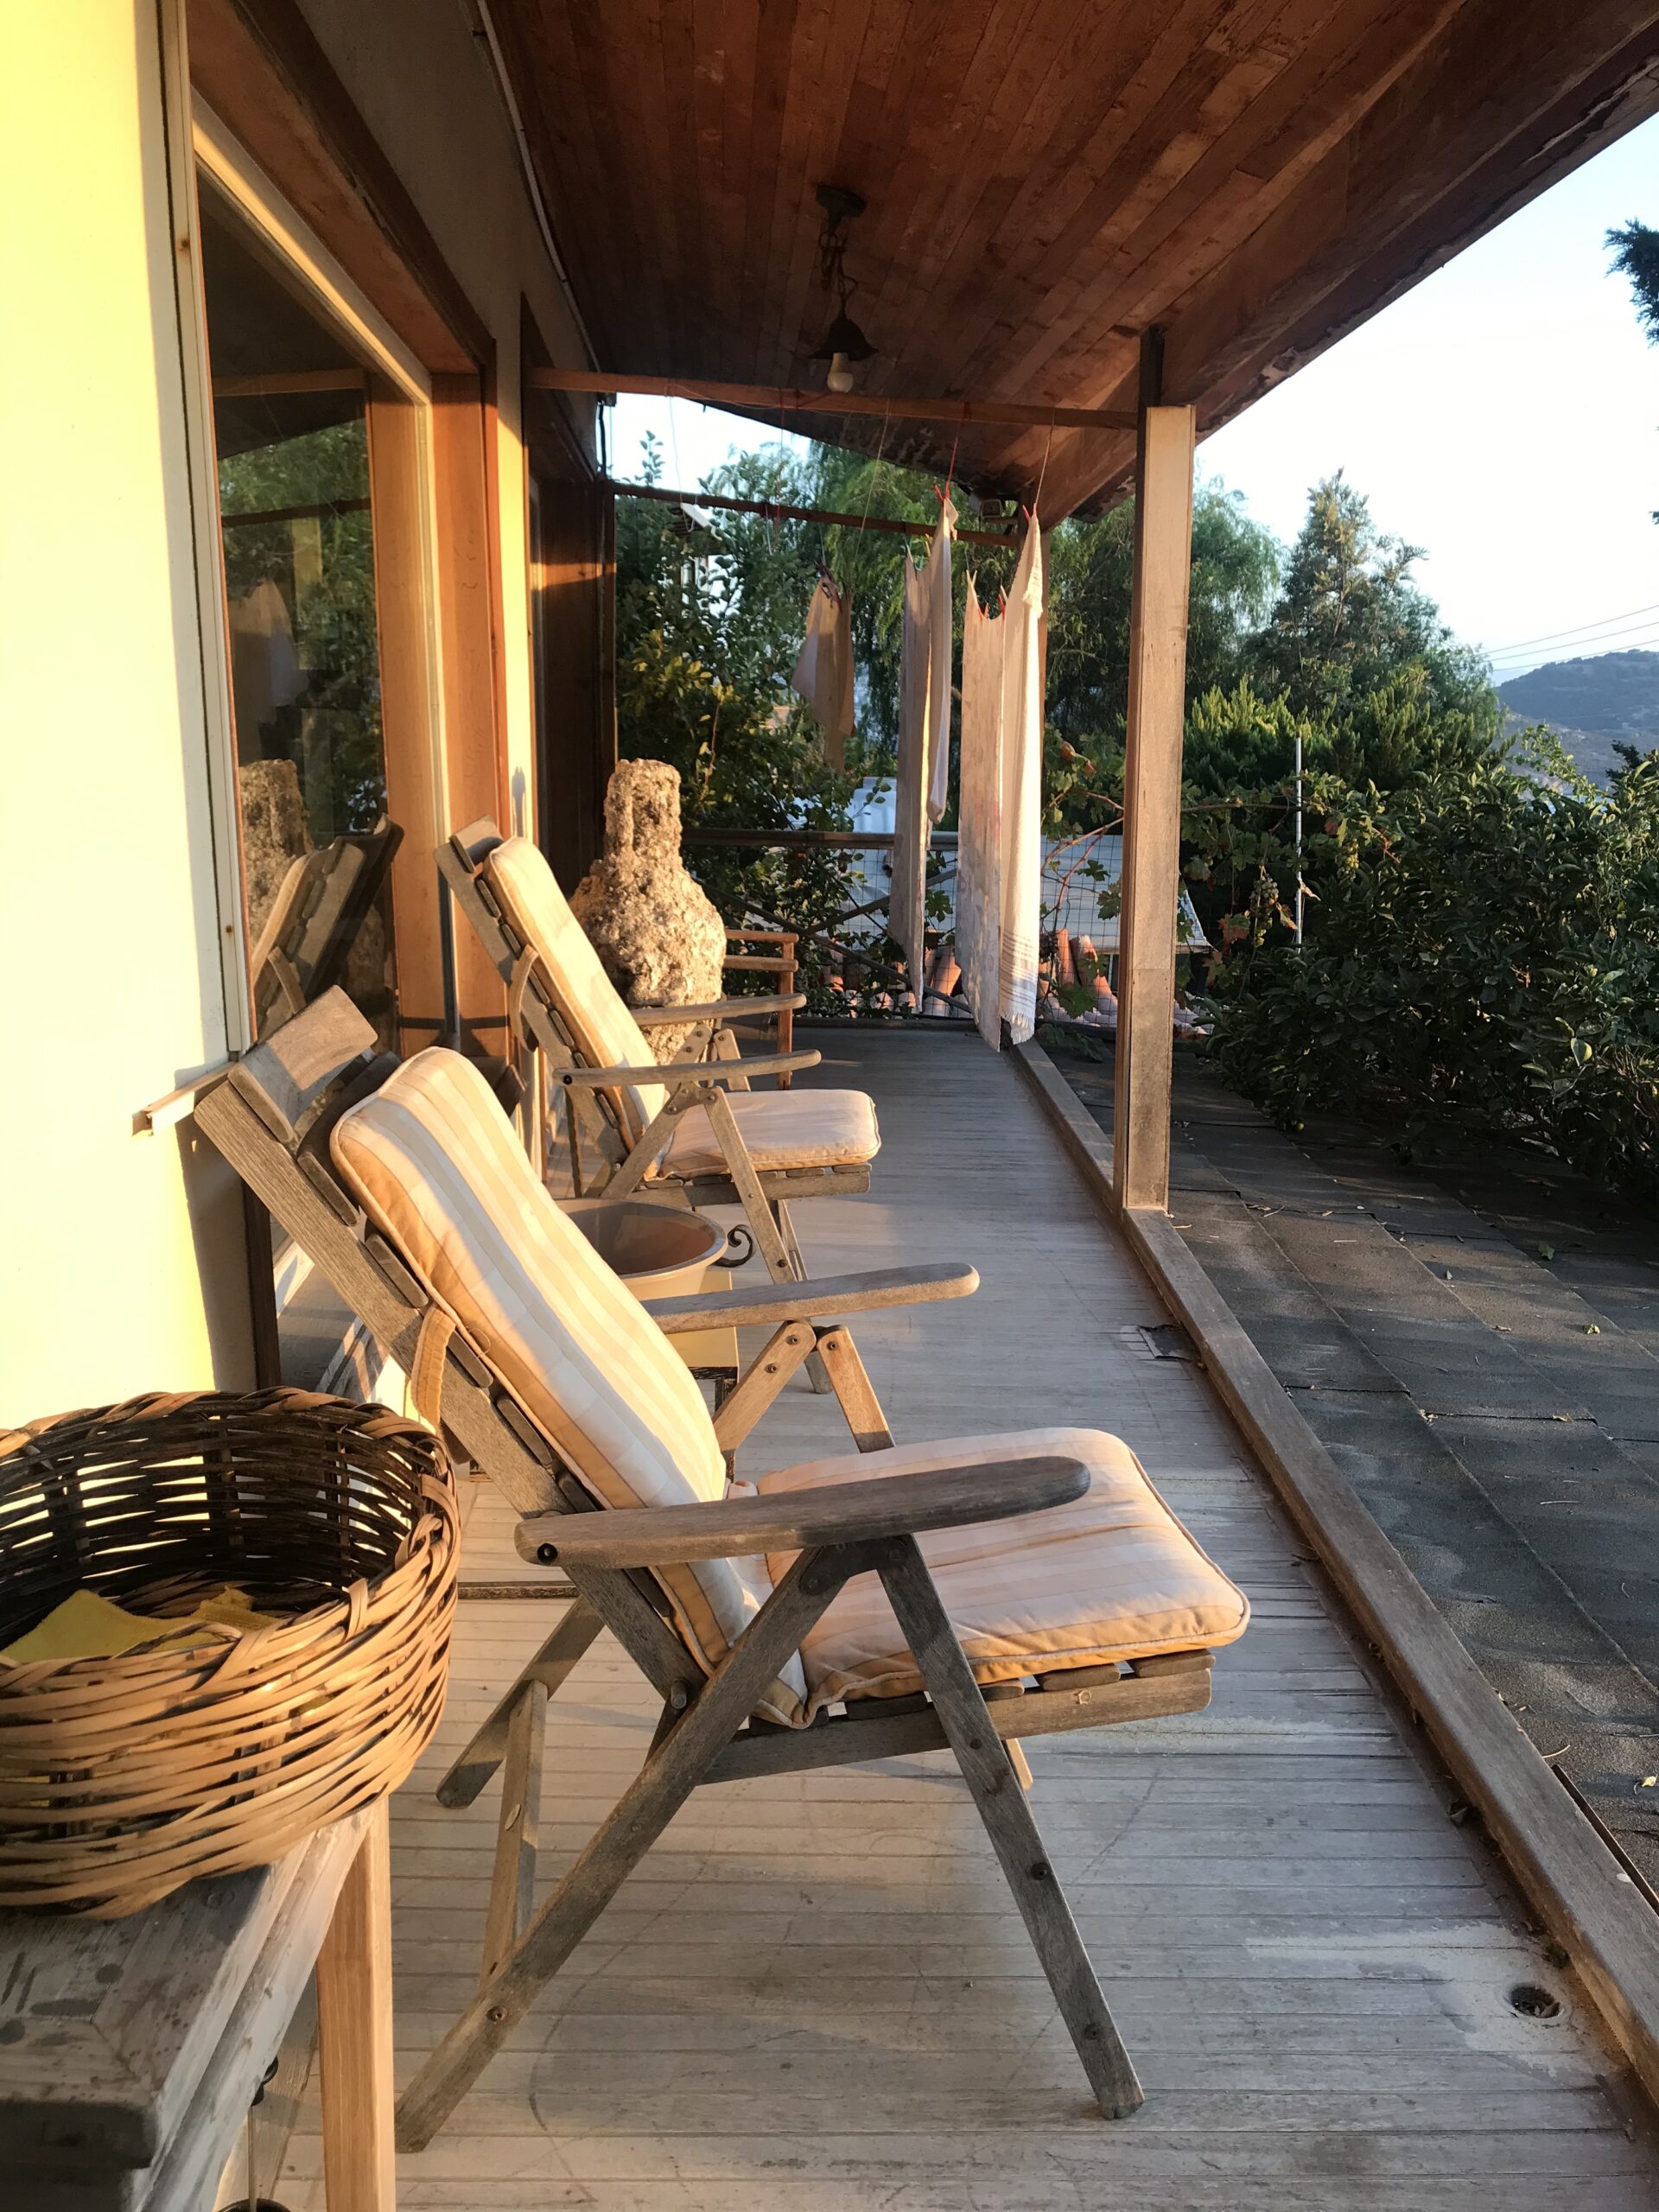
[{"x": 839, "y": 375}]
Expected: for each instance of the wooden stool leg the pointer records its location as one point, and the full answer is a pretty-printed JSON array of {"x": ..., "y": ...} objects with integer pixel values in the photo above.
[{"x": 354, "y": 2033}]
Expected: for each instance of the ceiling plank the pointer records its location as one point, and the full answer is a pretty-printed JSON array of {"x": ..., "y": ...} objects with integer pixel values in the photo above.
[{"x": 1045, "y": 178}]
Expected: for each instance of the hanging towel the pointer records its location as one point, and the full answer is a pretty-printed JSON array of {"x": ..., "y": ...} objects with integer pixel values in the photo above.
[
  {"x": 824, "y": 670},
  {"x": 907, "y": 896},
  {"x": 979, "y": 816},
  {"x": 1021, "y": 780},
  {"x": 265, "y": 671},
  {"x": 941, "y": 629}
]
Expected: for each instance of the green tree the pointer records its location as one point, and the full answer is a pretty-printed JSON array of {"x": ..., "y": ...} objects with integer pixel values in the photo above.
[
  {"x": 1636, "y": 256},
  {"x": 1349, "y": 624},
  {"x": 332, "y": 613},
  {"x": 710, "y": 608}
]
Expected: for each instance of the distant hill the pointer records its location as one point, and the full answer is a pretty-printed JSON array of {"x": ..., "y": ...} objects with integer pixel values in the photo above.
[{"x": 1591, "y": 704}]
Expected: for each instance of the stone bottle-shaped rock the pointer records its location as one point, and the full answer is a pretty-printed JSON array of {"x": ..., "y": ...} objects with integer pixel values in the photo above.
[{"x": 660, "y": 938}]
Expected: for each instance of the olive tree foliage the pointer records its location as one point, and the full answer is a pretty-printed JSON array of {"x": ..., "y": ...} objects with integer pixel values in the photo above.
[
  {"x": 709, "y": 620},
  {"x": 1485, "y": 951},
  {"x": 1483, "y": 923}
]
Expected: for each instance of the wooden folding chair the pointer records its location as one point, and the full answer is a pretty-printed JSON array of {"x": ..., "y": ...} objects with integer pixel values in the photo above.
[
  {"x": 314, "y": 921},
  {"x": 753, "y": 1617},
  {"x": 694, "y": 1125}
]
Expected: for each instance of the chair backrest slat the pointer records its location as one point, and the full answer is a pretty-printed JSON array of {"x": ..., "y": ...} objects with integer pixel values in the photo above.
[
  {"x": 435, "y": 1165},
  {"x": 598, "y": 1019},
  {"x": 283, "y": 1076}
]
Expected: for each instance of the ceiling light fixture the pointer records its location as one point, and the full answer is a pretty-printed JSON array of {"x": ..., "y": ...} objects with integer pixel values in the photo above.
[{"x": 844, "y": 344}]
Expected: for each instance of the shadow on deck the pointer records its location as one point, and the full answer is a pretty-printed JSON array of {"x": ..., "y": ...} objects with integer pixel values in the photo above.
[
  {"x": 1475, "y": 1342},
  {"x": 815, "y": 1996}
]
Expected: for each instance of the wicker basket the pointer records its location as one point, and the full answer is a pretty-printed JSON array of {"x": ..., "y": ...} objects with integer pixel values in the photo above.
[{"x": 120, "y": 1778}]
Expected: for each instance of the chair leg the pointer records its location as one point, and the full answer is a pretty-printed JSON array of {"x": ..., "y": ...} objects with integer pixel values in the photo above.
[
  {"x": 791, "y": 1241},
  {"x": 819, "y": 1379},
  {"x": 845, "y": 1371},
  {"x": 761, "y": 1383},
  {"x": 512, "y": 1884},
  {"x": 763, "y": 1221},
  {"x": 673, "y": 1768},
  {"x": 773, "y": 1231},
  {"x": 550, "y": 1666},
  {"x": 1009, "y": 1822}
]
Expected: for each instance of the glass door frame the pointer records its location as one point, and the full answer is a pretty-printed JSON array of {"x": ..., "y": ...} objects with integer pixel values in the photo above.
[
  {"x": 401, "y": 378},
  {"x": 416, "y": 677}
]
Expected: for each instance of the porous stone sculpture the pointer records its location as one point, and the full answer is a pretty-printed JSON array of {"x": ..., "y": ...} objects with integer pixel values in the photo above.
[
  {"x": 275, "y": 832},
  {"x": 661, "y": 941}
]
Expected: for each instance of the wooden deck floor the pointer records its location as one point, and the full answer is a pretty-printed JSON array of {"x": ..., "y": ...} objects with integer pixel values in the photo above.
[{"x": 815, "y": 1996}]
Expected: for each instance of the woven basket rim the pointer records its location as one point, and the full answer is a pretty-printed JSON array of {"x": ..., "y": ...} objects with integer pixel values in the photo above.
[
  {"x": 125, "y": 1774},
  {"x": 437, "y": 1512}
]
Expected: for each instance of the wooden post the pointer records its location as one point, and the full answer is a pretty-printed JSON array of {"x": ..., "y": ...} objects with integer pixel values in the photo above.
[
  {"x": 1152, "y": 791},
  {"x": 354, "y": 2033}
]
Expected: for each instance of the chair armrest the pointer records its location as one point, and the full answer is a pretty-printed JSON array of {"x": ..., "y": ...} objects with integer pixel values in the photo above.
[
  {"x": 674, "y": 1075},
  {"x": 798, "y": 1521},
  {"x": 775, "y": 1303},
  {"x": 721, "y": 1010}
]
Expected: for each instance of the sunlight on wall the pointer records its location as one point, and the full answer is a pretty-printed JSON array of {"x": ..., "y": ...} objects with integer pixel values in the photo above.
[{"x": 120, "y": 1256}]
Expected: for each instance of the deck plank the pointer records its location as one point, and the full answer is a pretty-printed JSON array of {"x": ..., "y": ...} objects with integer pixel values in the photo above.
[{"x": 815, "y": 1996}]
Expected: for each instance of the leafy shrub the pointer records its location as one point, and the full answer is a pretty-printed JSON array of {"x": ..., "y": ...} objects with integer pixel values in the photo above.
[{"x": 1486, "y": 948}]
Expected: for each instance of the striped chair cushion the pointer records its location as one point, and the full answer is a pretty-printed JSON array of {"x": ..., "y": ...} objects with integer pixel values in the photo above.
[
  {"x": 435, "y": 1163},
  {"x": 602, "y": 1026},
  {"x": 1113, "y": 1575},
  {"x": 780, "y": 1129}
]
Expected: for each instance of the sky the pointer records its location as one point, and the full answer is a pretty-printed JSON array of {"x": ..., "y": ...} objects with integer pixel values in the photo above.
[{"x": 1503, "y": 416}]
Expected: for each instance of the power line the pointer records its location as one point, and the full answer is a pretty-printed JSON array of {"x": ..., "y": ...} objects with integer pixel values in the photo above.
[
  {"x": 1622, "y": 641},
  {"x": 1552, "y": 636}
]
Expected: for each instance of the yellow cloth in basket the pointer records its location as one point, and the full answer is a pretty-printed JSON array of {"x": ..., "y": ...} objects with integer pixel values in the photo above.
[{"x": 87, "y": 1626}]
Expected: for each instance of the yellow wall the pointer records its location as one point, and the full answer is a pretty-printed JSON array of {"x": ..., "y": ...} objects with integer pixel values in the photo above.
[
  {"x": 429, "y": 96},
  {"x": 121, "y": 1264}
]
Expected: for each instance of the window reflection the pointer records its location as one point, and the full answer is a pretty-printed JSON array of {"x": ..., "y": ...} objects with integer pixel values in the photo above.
[{"x": 291, "y": 426}]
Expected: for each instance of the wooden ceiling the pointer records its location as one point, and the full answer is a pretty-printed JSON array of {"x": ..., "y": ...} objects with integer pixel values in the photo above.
[{"x": 1044, "y": 179}]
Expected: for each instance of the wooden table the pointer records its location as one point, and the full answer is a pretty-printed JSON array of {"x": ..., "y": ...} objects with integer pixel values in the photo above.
[{"x": 131, "y": 2049}]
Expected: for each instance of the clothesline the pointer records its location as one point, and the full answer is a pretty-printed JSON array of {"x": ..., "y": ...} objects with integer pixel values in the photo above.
[{"x": 776, "y": 510}]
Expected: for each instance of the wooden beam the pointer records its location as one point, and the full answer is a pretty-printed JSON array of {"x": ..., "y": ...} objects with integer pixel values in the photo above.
[
  {"x": 775, "y": 511},
  {"x": 1152, "y": 791},
  {"x": 808, "y": 841},
  {"x": 311, "y": 511},
  {"x": 466, "y": 551},
  {"x": 398, "y": 484},
  {"x": 785, "y": 399}
]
